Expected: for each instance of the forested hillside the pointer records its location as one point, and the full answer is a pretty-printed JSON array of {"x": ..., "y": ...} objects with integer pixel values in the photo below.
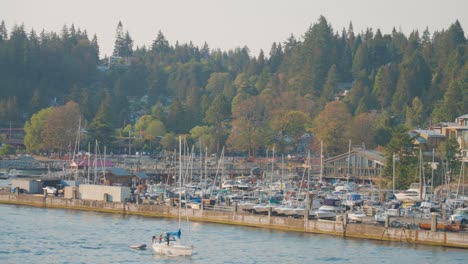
[{"x": 340, "y": 85}]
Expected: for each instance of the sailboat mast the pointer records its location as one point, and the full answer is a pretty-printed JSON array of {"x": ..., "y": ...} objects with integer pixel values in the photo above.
[
  {"x": 393, "y": 171},
  {"x": 321, "y": 160},
  {"x": 180, "y": 175},
  {"x": 420, "y": 175},
  {"x": 432, "y": 174},
  {"x": 89, "y": 153},
  {"x": 349, "y": 162},
  {"x": 272, "y": 170},
  {"x": 95, "y": 161}
]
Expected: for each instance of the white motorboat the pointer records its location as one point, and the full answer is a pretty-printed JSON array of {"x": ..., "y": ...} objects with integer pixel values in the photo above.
[
  {"x": 353, "y": 199},
  {"x": 412, "y": 194},
  {"x": 356, "y": 216},
  {"x": 329, "y": 209},
  {"x": 4, "y": 175},
  {"x": 408, "y": 195},
  {"x": 50, "y": 190},
  {"x": 324, "y": 213},
  {"x": 264, "y": 208},
  {"x": 246, "y": 205}
]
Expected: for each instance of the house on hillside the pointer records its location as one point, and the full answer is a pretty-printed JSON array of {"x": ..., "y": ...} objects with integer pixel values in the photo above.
[
  {"x": 458, "y": 129},
  {"x": 426, "y": 139}
]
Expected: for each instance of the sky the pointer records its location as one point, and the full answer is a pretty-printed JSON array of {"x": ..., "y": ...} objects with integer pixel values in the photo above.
[{"x": 225, "y": 24}]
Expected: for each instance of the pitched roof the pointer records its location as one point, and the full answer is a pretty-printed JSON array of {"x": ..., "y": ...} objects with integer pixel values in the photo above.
[
  {"x": 141, "y": 175},
  {"x": 119, "y": 172}
]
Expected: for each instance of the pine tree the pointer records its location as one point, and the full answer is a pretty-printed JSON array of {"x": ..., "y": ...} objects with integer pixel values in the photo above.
[
  {"x": 3, "y": 32},
  {"x": 95, "y": 46},
  {"x": 119, "y": 38},
  {"x": 328, "y": 92}
]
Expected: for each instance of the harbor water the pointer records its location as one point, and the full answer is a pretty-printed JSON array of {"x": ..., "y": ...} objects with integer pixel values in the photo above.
[{"x": 39, "y": 235}]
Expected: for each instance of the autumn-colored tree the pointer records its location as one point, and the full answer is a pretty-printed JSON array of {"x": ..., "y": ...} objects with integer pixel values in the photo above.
[
  {"x": 61, "y": 127},
  {"x": 363, "y": 129},
  {"x": 332, "y": 127},
  {"x": 247, "y": 133},
  {"x": 288, "y": 127}
]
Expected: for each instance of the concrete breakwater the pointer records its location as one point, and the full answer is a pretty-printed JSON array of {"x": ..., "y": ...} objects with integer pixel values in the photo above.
[{"x": 236, "y": 217}]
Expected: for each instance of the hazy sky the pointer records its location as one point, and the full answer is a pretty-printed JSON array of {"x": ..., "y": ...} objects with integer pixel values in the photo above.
[{"x": 228, "y": 24}]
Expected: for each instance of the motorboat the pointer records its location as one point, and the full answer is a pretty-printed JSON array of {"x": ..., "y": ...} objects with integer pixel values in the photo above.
[
  {"x": 4, "y": 176},
  {"x": 264, "y": 208},
  {"x": 356, "y": 216},
  {"x": 169, "y": 244},
  {"x": 353, "y": 199},
  {"x": 409, "y": 194},
  {"x": 329, "y": 209},
  {"x": 50, "y": 190}
]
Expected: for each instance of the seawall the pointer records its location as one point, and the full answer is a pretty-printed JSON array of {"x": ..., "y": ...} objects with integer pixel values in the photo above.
[{"x": 336, "y": 228}]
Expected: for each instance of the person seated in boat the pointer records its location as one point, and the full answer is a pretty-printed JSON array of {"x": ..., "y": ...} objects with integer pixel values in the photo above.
[
  {"x": 160, "y": 238},
  {"x": 152, "y": 239}
]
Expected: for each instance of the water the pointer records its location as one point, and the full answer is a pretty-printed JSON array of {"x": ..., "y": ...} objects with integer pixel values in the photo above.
[{"x": 38, "y": 235}]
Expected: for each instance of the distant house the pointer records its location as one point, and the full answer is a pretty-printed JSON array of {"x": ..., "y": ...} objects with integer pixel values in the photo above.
[
  {"x": 118, "y": 176},
  {"x": 458, "y": 129},
  {"x": 427, "y": 139},
  {"x": 84, "y": 164},
  {"x": 122, "y": 177}
]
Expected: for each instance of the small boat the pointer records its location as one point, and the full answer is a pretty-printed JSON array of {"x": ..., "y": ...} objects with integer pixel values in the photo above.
[
  {"x": 139, "y": 246},
  {"x": 329, "y": 209},
  {"x": 357, "y": 216},
  {"x": 4, "y": 176},
  {"x": 440, "y": 226}
]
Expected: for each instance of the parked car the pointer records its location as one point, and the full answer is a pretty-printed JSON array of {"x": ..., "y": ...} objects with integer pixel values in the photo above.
[
  {"x": 460, "y": 216},
  {"x": 50, "y": 190}
]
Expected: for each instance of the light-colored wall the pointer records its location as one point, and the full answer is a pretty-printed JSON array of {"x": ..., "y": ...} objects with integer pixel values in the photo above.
[
  {"x": 33, "y": 187},
  {"x": 96, "y": 192}
]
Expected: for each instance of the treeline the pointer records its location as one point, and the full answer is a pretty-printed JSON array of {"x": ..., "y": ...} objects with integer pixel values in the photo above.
[{"x": 229, "y": 98}]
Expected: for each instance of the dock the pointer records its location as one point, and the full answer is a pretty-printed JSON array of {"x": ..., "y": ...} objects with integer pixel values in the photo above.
[{"x": 233, "y": 216}]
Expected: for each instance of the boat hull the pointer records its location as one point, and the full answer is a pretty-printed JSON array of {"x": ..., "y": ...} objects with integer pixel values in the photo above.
[{"x": 172, "y": 249}]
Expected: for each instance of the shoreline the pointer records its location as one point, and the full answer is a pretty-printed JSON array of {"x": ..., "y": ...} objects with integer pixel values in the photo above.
[{"x": 238, "y": 218}]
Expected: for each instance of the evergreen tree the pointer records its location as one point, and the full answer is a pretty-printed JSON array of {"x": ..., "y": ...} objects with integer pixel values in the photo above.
[
  {"x": 100, "y": 129},
  {"x": 3, "y": 32},
  {"x": 328, "y": 92},
  {"x": 119, "y": 38},
  {"x": 95, "y": 46},
  {"x": 415, "y": 114}
]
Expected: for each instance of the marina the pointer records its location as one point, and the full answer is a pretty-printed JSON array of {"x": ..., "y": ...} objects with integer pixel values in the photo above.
[{"x": 38, "y": 235}]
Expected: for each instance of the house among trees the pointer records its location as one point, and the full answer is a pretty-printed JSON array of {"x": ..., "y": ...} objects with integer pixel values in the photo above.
[
  {"x": 427, "y": 139},
  {"x": 458, "y": 129}
]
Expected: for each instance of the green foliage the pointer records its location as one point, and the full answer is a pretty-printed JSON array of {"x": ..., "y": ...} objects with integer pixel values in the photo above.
[
  {"x": 7, "y": 150},
  {"x": 183, "y": 86},
  {"x": 33, "y": 129},
  {"x": 406, "y": 169}
]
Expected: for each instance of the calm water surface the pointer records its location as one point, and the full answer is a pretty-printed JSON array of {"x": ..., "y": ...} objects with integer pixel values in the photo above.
[{"x": 37, "y": 235}]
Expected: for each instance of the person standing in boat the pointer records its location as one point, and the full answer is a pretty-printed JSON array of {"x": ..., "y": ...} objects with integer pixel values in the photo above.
[{"x": 168, "y": 235}]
